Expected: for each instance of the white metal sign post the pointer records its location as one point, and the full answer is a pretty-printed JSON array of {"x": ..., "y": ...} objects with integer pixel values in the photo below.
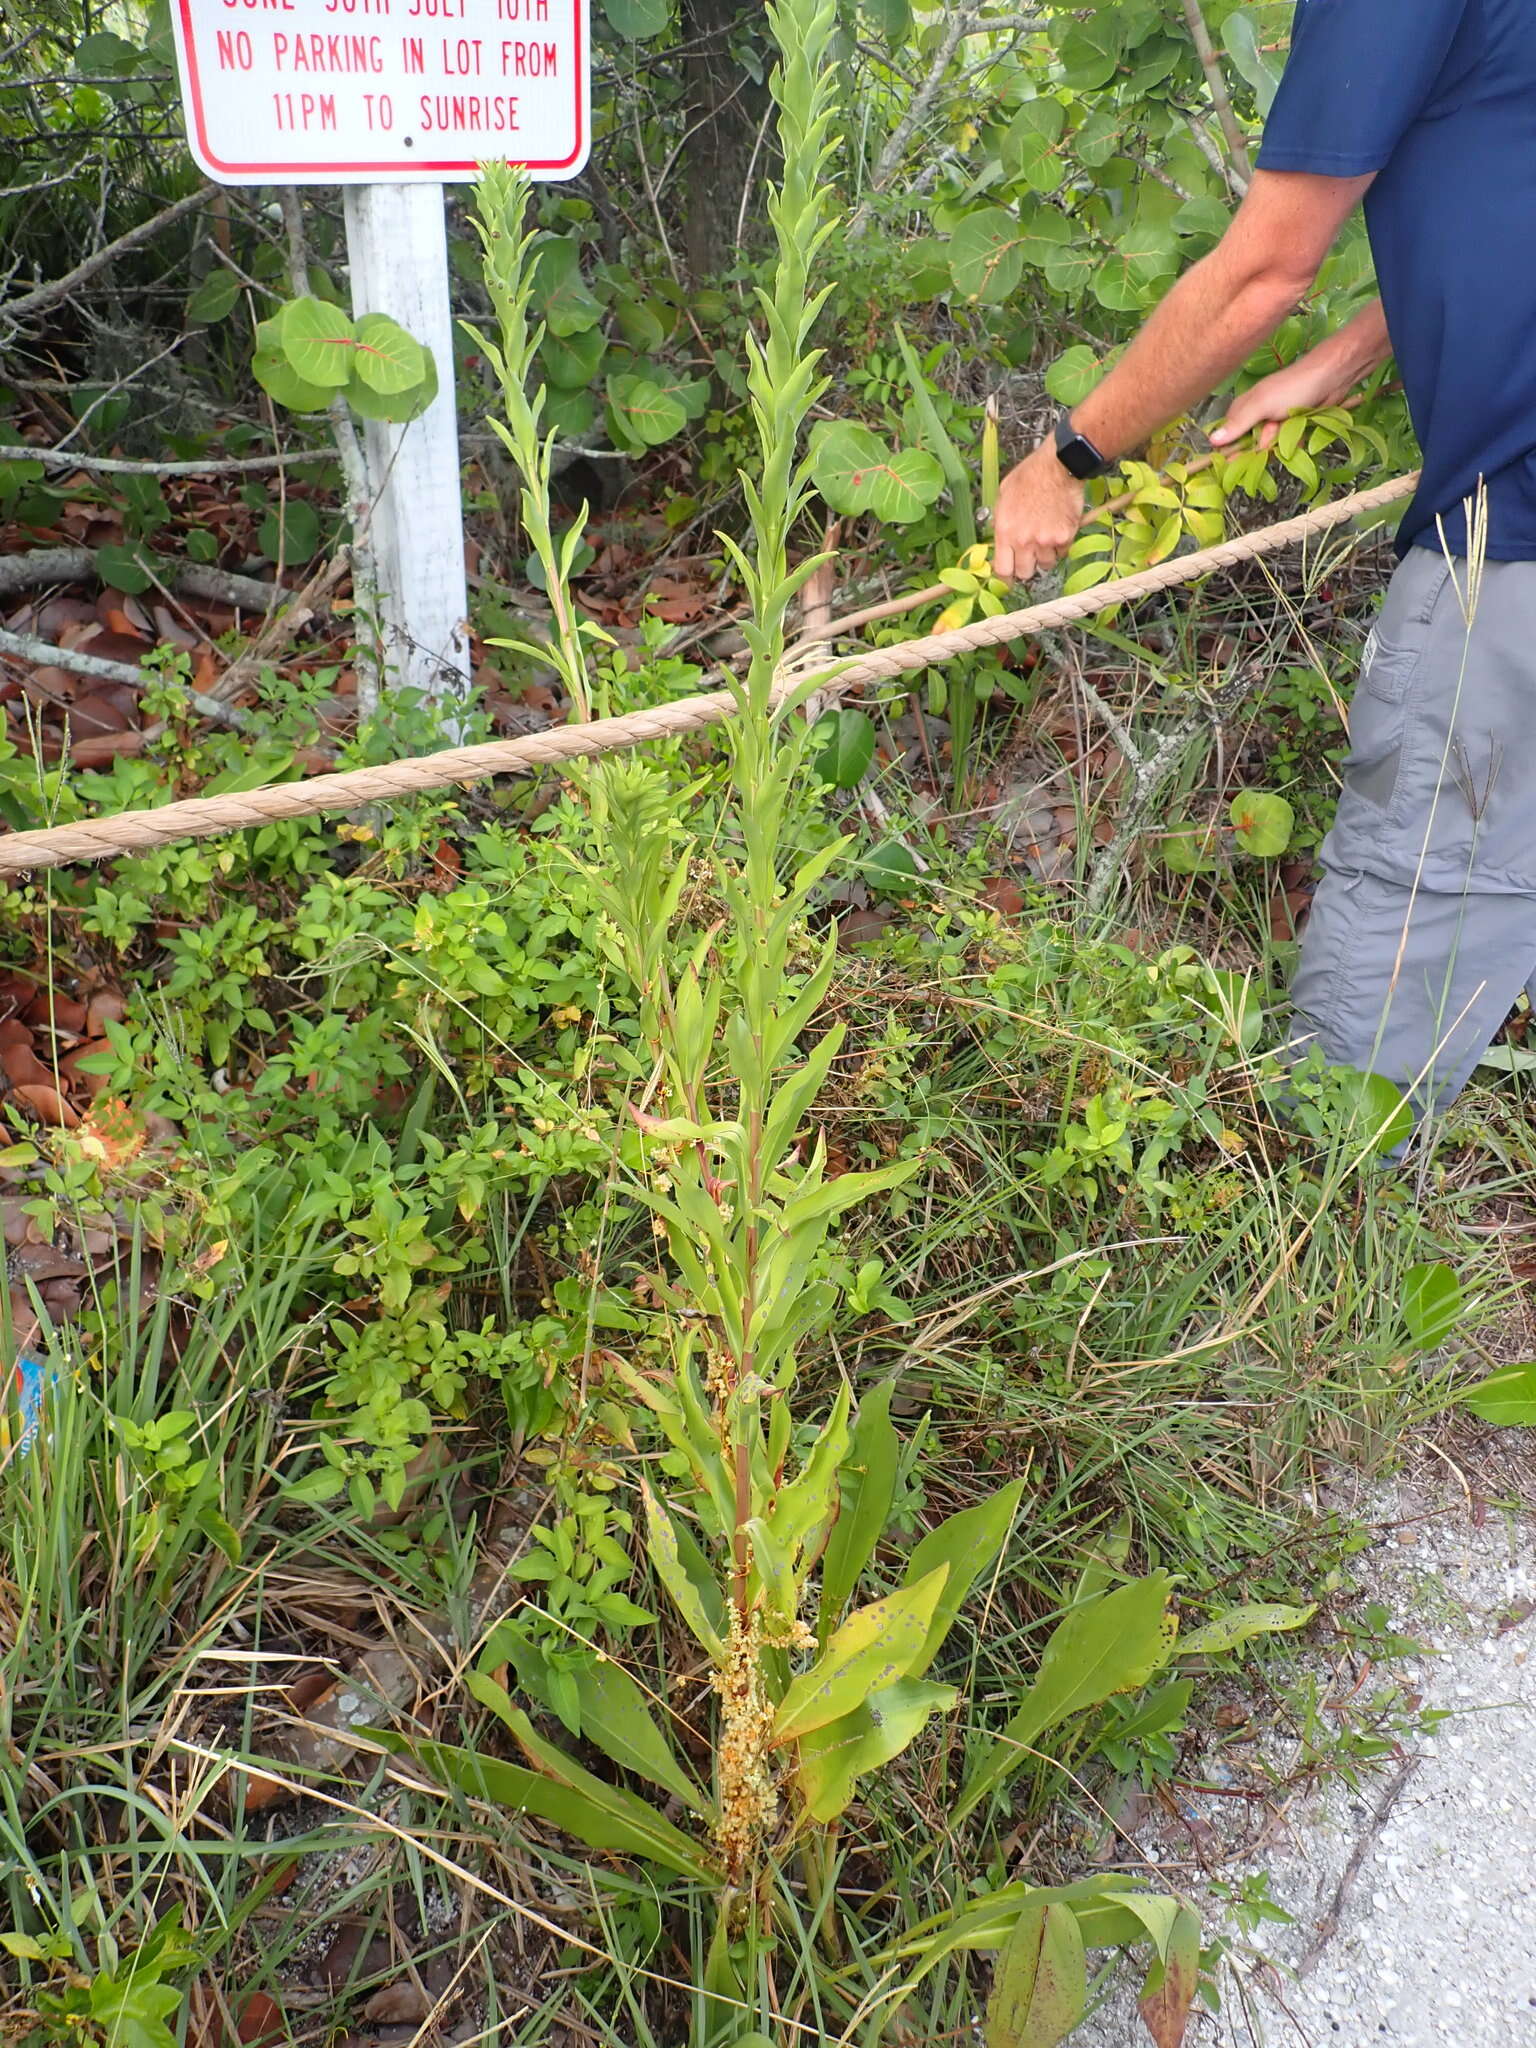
[{"x": 393, "y": 99}]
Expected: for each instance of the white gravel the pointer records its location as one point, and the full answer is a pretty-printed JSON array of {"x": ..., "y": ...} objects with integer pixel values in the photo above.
[{"x": 1433, "y": 1940}]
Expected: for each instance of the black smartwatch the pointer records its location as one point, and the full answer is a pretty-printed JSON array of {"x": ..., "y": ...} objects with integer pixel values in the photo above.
[{"x": 1077, "y": 454}]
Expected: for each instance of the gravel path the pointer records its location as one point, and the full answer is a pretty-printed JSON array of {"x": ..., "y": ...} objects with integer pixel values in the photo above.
[{"x": 1414, "y": 1900}]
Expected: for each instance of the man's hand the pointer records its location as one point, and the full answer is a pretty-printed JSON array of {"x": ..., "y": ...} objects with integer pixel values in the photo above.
[
  {"x": 1301, "y": 386},
  {"x": 1325, "y": 375},
  {"x": 1039, "y": 509}
]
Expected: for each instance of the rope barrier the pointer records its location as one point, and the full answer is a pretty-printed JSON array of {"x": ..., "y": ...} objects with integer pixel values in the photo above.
[{"x": 203, "y": 816}]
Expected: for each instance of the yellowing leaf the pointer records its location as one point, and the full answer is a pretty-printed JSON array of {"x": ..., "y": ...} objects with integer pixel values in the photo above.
[{"x": 871, "y": 1650}]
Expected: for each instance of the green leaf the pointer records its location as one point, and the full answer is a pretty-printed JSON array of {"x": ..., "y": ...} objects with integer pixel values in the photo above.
[
  {"x": 105, "y": 55},
  {"x": 603, "y": 1816},
  {"x": 397, "y": 406},
  {"x": 1031, "y": 148},
  {"x": 868, "y": 1486},
  {"x": 292, "y": 534},
  {"x": 986, "y": 255},
  {"x": 572, "y": 361},
  {"x": 1506, "y": 1397},
  {"x": 638, "y": 19},
  {"x": 1171, "y": 1983},
  {"x": 561, "y": 291},
  {"x": 215, "y": 298},
  {"x": 1040, "y": 1985},
  {"x": 1372, "y": 1103},
  {"x": 122, "y": 568},
  {"x": 277, "y": 376},
  {"x": 643, "y": 412},
  {"x": 892, "y": 20},
  {"x": 1073, "y": 374},
  {"x": 612, "y": 1711},
  {"x": 639, "y": 322},
  {"x": 1202, "y": 216},
  {"x": 871, "y": 1650},
  {"x": 1263, "y": 823},
  {"x": 317, "y": 341},
  {"x": 388, "y": 359},
  {"x": 220, "y": 1533},
  {"x": 856, "y": 472},
  {"x": 661, "y": 1543},
  {"x": 1240, "y": 34},
  {"x": 843, "y": 745},
  {"x": 201, "y": 545},
  {"x": 1070, "y": 269},
  {"x": 133, "y": 2012},
  {"x": 1241, "y": 1625},
  {"x": 1107, "y": 1646},
  {"x": 832, "y": 1759},
  {"x": 889, "y": 868},
  {"x": 571, "y": 414},
  {"x": 1432, "y": 1304},
  {"x": 1141, "y": 260},
  {"x": 968, "y": 1543},
  {"x": 1090, "y": 53},
  {"x": 1045, "y": 229}
]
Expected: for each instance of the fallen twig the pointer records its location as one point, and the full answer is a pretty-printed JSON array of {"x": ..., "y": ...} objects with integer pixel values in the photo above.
[
  {"x": 81, "y": 663},
  {"x": 112, "y": 465}
]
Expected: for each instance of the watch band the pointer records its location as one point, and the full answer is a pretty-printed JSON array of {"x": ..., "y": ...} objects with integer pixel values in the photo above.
[{"x": 1076, "y": 453}]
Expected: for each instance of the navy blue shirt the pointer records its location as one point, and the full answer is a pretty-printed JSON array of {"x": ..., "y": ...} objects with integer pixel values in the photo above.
[{"x": 1438, "y": 97}]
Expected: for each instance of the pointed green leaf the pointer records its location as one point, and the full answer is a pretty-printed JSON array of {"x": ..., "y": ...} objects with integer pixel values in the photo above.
[
  {"x": 967, "y": 1543},
  {"x": 603, "y": 1816},
  {"x": 1241, "y": 1625},
  {"x": 1108, "y": 1646},
  {"x": 842, "y": 746},
  {"x": 801, "y": 1508},
  {"x": 613, "y": 1712},
  {"x": 867, "y": 1485},
  {"x": 215, "y": 298},
  {"x": 1040, "y": 1987},
  {"x": 871, "y": 1650},
  {"x": 662, "y": 1547},
  {"x": 834, "y": 1758}
]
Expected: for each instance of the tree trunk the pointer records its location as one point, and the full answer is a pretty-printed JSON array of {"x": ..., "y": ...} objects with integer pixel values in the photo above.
[{"x": 724, "y": 113}]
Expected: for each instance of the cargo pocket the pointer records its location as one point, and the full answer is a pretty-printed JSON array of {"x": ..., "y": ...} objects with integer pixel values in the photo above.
[{"x": 1378, "y": 723}]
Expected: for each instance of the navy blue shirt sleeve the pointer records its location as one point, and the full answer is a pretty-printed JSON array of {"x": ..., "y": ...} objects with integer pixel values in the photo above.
[{"x": 1360, "y": 73}]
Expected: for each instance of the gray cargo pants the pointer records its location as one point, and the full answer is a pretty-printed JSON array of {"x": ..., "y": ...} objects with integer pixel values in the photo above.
[{"x": 1423, "y": 931}]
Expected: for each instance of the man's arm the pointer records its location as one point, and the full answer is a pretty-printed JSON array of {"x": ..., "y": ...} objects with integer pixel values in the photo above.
[{"x": 1207, "y": 327}]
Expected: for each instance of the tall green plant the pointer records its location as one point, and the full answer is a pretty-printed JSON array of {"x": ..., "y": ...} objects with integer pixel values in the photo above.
[{"x": 761, "y": 1530}]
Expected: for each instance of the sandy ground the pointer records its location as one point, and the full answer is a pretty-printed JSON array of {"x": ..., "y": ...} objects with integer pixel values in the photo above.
[{"x": 1414, "y": 1896}]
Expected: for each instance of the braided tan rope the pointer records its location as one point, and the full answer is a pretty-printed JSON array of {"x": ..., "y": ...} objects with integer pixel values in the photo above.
[{"x": 202, "y": 816}]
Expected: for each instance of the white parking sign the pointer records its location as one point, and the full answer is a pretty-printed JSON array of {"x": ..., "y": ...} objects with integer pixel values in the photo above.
[{"x": 383, "y": 91}]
